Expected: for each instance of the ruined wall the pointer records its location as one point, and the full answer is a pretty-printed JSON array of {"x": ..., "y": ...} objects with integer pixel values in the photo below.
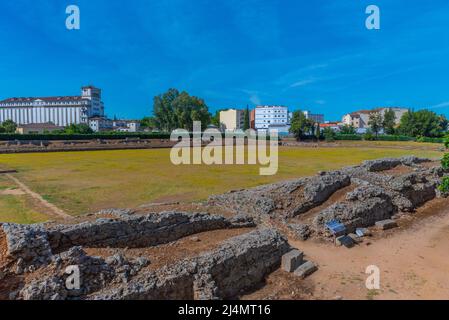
[
  {"x": 240, "y": 263},
  {"x": 287, "y": 199},
  {"x": 137, "y": 231}
]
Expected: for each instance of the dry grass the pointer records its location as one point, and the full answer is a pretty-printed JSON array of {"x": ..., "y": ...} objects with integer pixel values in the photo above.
[{"x": 80, "y": 182}]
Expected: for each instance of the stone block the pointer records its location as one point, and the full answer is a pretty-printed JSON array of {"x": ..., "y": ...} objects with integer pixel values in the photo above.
[
  {"x": 386, "y": 224},
  {"x": 305, "y": 269},
  {"x": 292, "y": 260}
]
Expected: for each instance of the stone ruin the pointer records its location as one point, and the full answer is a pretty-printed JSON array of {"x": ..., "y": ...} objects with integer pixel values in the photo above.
[
  {"x": 375, "y": 195},
  {"x": 34, "y": 259}
]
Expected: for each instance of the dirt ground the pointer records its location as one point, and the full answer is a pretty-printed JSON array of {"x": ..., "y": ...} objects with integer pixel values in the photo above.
[
  {"x": 413, "y": 262},
  {"x": 168, "y": 254}
]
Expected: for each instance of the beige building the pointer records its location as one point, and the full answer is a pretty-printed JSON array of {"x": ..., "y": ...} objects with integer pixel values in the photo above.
[
  {"x": 37, "y": 128},
  {"x": 360, "y": 119},
  {"x": 232, "y": 120}
]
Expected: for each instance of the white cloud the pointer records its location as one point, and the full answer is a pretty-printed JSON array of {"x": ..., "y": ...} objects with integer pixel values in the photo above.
[
  {"x": 302, "y": 83},
  {"x": 440, "y": 105}
]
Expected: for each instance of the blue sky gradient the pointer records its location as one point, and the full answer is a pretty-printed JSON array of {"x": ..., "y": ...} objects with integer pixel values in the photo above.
[{"x": 314, "y": 55}]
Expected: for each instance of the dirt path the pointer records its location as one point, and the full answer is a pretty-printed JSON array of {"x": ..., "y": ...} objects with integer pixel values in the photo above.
[
  {"x": 413, "y": 261},
  {"x": 54, "y": 209}
]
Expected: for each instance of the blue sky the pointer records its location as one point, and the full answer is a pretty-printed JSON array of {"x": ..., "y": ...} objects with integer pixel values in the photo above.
[{"x": 314, "y": 55}]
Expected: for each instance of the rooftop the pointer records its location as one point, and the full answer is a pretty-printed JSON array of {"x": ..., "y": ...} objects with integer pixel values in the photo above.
[
  {"x": 48, "y": 125},
  {"x": 45, "y": 99}
]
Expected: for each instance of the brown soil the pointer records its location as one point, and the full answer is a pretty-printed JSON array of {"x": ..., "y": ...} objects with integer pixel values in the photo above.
[
  {"x": 12, "y": 192},
  {"x": 3, "y": 248},
  {"x": 281, "y": 285},
  {"x": 413, "y": 262},
  {"x": 431, "y": 164},
  {"x": 170, "y": 253},
  {"x": 338, "y": 196},
  {"x": 397, "y": 171},
  {"x": 286, "y": 202}
]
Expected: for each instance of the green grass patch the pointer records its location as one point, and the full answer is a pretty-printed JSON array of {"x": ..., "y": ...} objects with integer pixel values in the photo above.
[{"x": 80, "y": 182}]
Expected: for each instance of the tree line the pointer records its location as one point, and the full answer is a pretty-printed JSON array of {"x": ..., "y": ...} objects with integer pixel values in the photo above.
[{"x": 422, "y": 123}]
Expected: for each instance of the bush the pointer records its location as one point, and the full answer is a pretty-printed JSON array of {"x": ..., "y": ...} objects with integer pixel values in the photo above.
[
  {"x": 430, "y": 140},
  {"x": 369, "y": 136},
  {"x": 446, "y": 141},
  {"x": 63, "y": 136},
  {"x": 445, "y": 162},
  {"x": 329, "y": 135},
  {"x": 394, "y": 138},
  {"x": 349, "y": 137},
  {"x": 444, "y": 186}
]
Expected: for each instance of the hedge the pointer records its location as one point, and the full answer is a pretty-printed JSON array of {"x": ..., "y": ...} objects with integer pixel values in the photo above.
[
  {"x": 394, "y": 138},
  {"x": 348, "y": 137},
  {"x": 431, "y": 140},
  {"x": 108, "y": 136}
]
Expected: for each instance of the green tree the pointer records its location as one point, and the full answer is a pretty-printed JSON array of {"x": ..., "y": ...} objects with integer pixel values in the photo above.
[
  {"x": 375, "y": 122},
  {"x": 175, "y": 110},
  {"x": 148, "y": 122},
  {"x": 318, "y": 131},
  {"x": 78, "y": 129},
  {"x": 215, "y": 119},
  {"x": 9, "y": 126},
  {"x": 329, "y": 134},
  {"x": 423, "y": 123},
  {"x": 389, "y": 121},
  {"x": 300, "y": 125},
  {"x": 246, "y": 125},
  {"x": 347, "y": 129}
]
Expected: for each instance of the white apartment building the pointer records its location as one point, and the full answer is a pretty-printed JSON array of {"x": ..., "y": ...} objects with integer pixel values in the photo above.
[
  {"x": 232, "y": 120},
  {"x": 61, "y": 111},
  {"x": 271, "y": 116}
]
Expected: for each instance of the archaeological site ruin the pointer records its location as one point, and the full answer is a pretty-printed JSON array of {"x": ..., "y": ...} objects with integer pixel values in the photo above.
[{"x": 222, "y": 248}]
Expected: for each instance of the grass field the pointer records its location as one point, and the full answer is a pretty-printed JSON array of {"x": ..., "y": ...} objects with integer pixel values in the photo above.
[
  {"x": 17, "y": 208},
  {"x": 81, "y": 182}
]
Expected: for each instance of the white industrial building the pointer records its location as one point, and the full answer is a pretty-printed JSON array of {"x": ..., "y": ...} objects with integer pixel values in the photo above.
[{"x": 61, "y": 111}]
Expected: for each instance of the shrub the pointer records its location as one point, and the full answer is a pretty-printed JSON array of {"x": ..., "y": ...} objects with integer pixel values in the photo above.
[
  {"x": 395, "y": 138},
  {"x": 430, "y": 140},
  {"x": 444, "y": 186},
  {"x": 369, "y": 136},
  {"x": 65, "y": 136},
  {"x": 445, "y": 162},
  {"x": 348, "y": 137},
  {"x": 329, "y": 135}
]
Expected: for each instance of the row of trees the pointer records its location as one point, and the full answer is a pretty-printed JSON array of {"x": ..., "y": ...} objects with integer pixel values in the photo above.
[{"x": 423, "y": 123}]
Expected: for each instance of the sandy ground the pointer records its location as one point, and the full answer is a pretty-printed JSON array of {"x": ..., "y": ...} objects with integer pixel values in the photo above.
[{"x": 413, "y": 262}]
